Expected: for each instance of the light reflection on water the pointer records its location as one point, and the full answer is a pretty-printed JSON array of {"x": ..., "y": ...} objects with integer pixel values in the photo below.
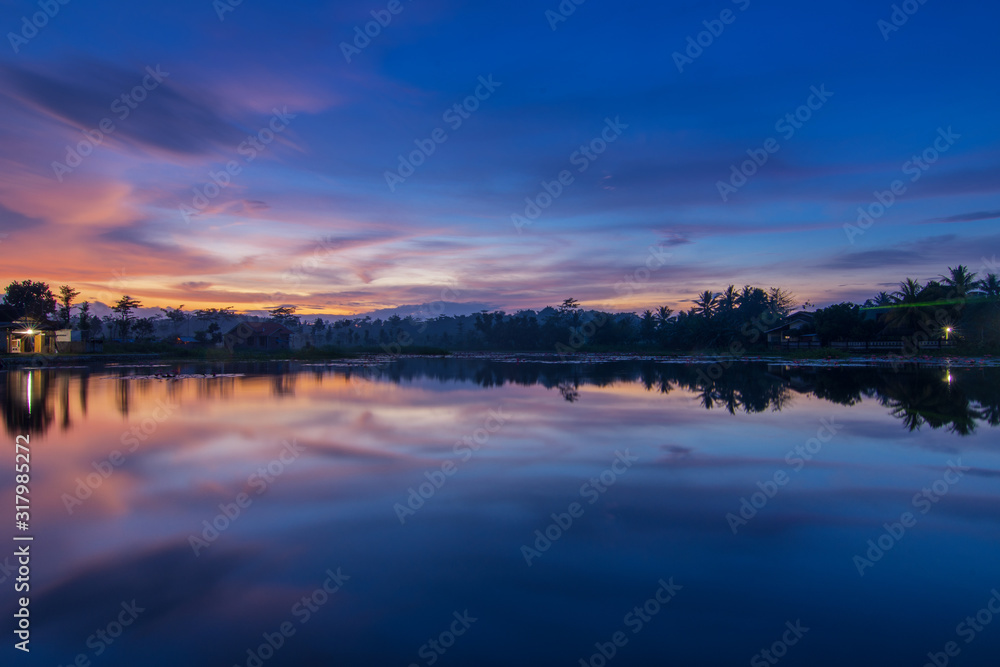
[{"x": 372, "y": 433}]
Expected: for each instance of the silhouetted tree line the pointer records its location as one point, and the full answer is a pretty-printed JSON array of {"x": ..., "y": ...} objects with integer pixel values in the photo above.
[
  {"x": 713, "y": 321},
  {"x": 957, "y": 306}
]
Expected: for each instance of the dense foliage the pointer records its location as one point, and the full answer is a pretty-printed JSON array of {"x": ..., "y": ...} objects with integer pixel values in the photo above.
[{"x": 959, "y": 306}]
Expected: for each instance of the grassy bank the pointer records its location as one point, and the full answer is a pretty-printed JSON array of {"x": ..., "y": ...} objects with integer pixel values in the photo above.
[{"x": 166, "y": 352}]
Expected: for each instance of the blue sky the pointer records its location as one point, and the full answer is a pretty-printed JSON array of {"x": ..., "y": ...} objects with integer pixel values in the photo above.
[{"x": 311, "y": 221}]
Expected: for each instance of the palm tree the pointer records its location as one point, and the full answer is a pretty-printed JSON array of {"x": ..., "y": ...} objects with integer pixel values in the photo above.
[
  {"x": 991, "y": 285},
  {"x": 728, "y": 299},
  {"x": 882, "y": 299},
  {"x": 906, "y": 305},
  {"x": 663, "y": 314},
  {"x": 705, "y": 304},
  {"x": 960, "y": 280},
  {"x": 647, "y": 325},
  {"x": 909, "y": 292}
]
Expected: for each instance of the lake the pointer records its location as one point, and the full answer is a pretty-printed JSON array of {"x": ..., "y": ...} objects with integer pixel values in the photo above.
[{"x": 499, "y": 510}]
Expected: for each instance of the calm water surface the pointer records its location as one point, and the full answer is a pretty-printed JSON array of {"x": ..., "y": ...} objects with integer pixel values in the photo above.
[{"x": 413, "y": 490}]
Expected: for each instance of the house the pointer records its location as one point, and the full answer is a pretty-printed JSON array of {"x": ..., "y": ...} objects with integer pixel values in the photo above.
[
  {"x": 74, "y": 341},
  {"x": 262, "y": 336},
  {"x": 791, "y": 330},
  {"x": 21, "y": 338}
]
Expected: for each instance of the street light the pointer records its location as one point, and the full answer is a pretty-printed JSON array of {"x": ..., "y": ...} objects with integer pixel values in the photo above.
[{"x": 947, "y": 330}]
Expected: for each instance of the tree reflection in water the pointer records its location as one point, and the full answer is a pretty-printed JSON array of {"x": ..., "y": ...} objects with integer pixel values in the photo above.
[{"x": 958, "y": 400}]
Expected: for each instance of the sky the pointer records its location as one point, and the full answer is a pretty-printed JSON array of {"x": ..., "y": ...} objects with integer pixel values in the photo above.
[{"x": 263, "y": 153}]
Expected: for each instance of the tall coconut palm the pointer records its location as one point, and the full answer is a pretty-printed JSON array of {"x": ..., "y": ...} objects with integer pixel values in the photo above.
[
  {"x": 647, "y": 325},
  {"x": 665, "y": 327},
  {"x": 663, "y": 315},
  {"x": 908, "y": 292},
  {"x": 728, "y": 299},
  {"x": 705, "y": 305},
  {"x": 990, "y": 285},
  {"x": 961, "y": 280},
  {"x": 905, "y": 312},
  {"x": 882, "y": 299}
]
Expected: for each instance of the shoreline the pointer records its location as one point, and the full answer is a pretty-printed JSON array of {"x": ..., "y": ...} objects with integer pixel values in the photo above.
[{"x": 818, "y": 357}]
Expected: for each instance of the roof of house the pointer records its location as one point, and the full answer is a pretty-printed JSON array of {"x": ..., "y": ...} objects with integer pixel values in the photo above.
[
  {"x": 799, "y": 316},
  {"x": 39, "y": 326}
]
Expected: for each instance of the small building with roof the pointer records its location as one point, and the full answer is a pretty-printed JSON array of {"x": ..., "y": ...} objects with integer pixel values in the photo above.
[
  {"x": 28, "y": 338},
  {"x": 793, "y": 330}
]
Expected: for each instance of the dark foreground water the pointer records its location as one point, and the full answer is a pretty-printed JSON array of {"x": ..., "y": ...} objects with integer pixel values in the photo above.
[{"x": 482, "y": 512}]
